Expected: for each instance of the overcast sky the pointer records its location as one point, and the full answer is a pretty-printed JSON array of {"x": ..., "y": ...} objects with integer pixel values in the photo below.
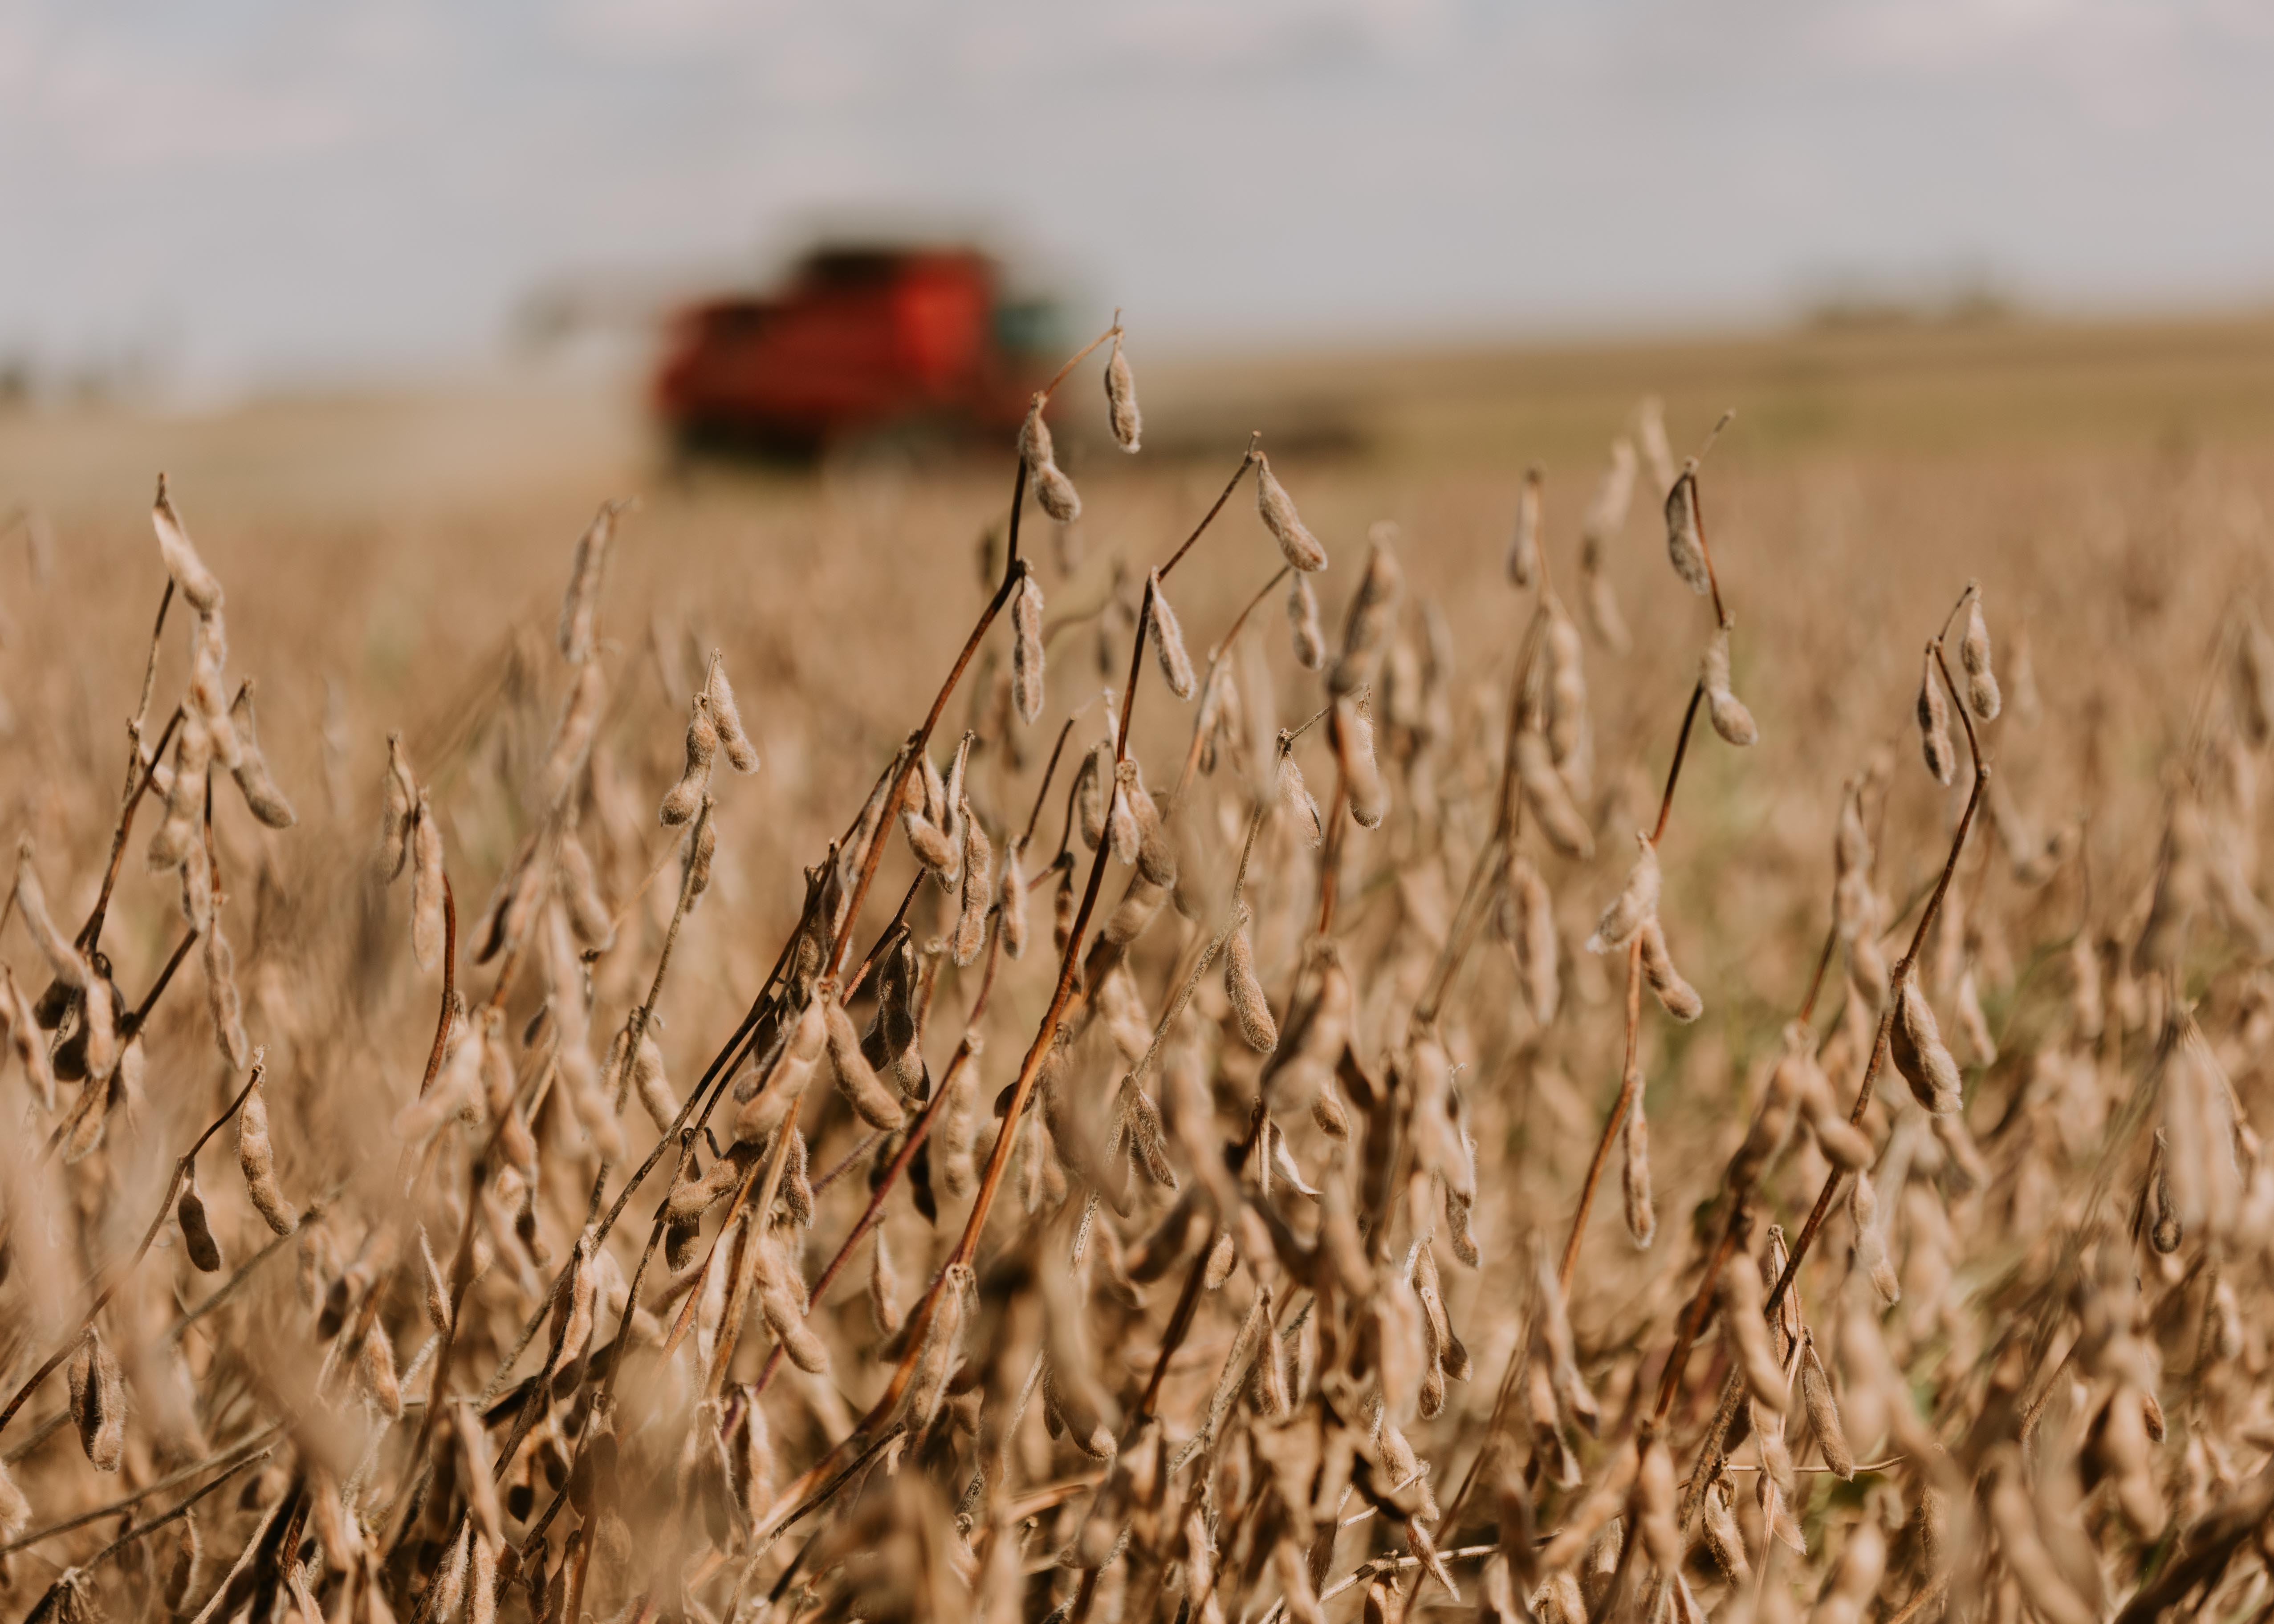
[{"x": 274, "y": 189}]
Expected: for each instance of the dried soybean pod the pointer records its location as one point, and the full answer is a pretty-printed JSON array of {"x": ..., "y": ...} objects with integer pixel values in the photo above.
[
  {"x": 1549, "y": 798},
  {"x": 1246, "y": 993},
  {"x": 1295, "y": 800},
  {"x": 580, "y": 604},
  {"x": 856, "y": 1080},
  {"x": 1981, "y": 696},
  {"x": 1298, "y": 545},
  {"x": 267, "y": 802},
  {"x": 1642, "y": 1216},
  {"x": 1677, "y": 996},
  {"x": 1728, "y": 713},
  {"x": 1169, "y": 641},
  {"x": 1934, "y": 724},
  {"x": 258, "y": 1158},
  {"x": 1353, "y": 735},
  {"x": 1089, "y": 793},
  {"x": 1121, "y": 398},
  {"x": 1303, "y": 620},
  {"x": 1057, "y": 494},
  {"x": 198, "y": 584},
  {"x": 1636, "y": 901},
  {"x": 680, "y": 804},
  {"x": 726, "y": 717},
  {"x": 1917, "y": 1047},
  {"x": 196, "y": 1232},
  {"x": 1013, "y": 901},
  {"x": 1685, "y": 545},
  {"x": 1027, "y": 653},
  {"x": 1523, "y": 546},
  {"x": 398, "y": 799},
  {"x": 98, "y": 1401},
  {"x": 1823, "y": 1409},
  {"x": 427, "y": 920},
  {"x": 221, "y": 997}
]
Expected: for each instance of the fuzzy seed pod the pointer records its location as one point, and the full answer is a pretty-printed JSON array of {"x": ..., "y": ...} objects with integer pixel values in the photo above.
[
  {"x": 1535, "y": 940},
  {"x": 875, "y": 1104},
  {"x": 426, "y": 883},
  {"x": 1724, "y": 1540},
  {"x": 1844, "y": 1145},
  {"x": 1026, "y": 658},
  {"x": 185, "y": 796},
  {"x": 572, "y": 1303},
  {"x": 580, "y": 889},
  {"x": 1034, "y": 439},
  {"x": 1303, "y": 620},
  {"x": 1295, "y": 800},
  {"x": 1678, "y": 998},
  {"x": 1056, "y": 492},
  {"x": 1523, "y": 546},
  {"x": 1089, "y": 793},
  {"x": 1121, "y": 399},
  {"x": 1136, "y": 910},
  {"x": 25, "y": 1036},
  {"x": 398, "y": 799},
  {"x": 1974, "y": 653},
  {"x": 207, "y": 695},
  {"x": 69, "y": 965},
  {"x": 978, "y": 890},
  {"x": 1169, "y": 641},
  {"x": 1743, "y": 1326},
  {"x": 580, "y": 604},
  {"x": 200, "y": 587},
  {"x": 222, "y": 999},
  {"x": 258, "y": 1158},
  {"x": 1635, "y": 902},
  {"x": 267, "y": 802},
  {"x": 1300, "y": 547},
  {"x": 572, "y": 740},
  {"x": 1155, "y": 858},
  {"x": 1934, "y": 726},
  {"x": 98, "y": 1013},
  {"x": 884, "y": 1304},
  {"x": 680, "y": 804},
  {"x": 196, "y": 1232},
  {"x": 1567, "y": 688},
  {"x": 727, "y": 718},
  {"x": 1917, "y": 1047},
  {"x": 1730, "y": 718},
  {"x": 1372, "y": 613},
  {"x": 1013, "y": 901},
  {"x": 1062, "y": 910},
  {"x": 1642, "y": 1217},
  {"x": 1685, "y": 546},
  {"x": 653, "y": 1087},
  {"x": 98, "y": 1401},
  {"x": 1352, "y": 733},
  {"x": 1246, "y": 993},
  {"x": 1823, "y": 1409},
  {"x": 933, "y": 847},
  {"x": 1549, "y": 798},
  {"x": 446, "y": 1594},
  {"x": 781, "y": 1299}
]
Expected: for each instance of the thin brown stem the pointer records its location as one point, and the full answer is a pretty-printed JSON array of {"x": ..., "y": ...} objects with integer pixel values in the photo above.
[
  {"x": 91, "y": 932},
  {"x": 1630, "y": 1088}
]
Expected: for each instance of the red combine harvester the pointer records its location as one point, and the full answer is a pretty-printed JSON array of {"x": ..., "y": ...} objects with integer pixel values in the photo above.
[{"x": 904, "y": 346}]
